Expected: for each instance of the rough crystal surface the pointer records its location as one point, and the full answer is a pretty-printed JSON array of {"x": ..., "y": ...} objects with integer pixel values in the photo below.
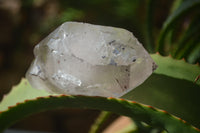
[{"x": 85, "y": 59}]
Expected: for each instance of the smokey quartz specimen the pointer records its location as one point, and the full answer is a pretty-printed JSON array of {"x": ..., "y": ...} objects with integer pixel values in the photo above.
[{"x": 85, "y": 59}]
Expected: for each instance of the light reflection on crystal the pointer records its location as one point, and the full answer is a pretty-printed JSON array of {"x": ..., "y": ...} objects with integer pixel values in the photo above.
[
  {"x": 85, "y": 59},
  {"x": 65, "y": 79}
]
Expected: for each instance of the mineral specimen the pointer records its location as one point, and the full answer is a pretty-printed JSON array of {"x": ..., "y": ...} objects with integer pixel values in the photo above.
[{"x": 85, "y": 59}]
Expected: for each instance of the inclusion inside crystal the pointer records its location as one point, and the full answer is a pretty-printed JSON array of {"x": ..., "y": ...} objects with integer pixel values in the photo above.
[{"x": 85, "y": 59}]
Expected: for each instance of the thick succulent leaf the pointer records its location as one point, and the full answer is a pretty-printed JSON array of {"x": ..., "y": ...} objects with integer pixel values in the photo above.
[
  {"x": 186, "y": 51},
  {"x": 184, "y": 7},
  {"x": 20, "y": 93},
  {"x": 150, "y": 44},
  {"x": 167, "y": 66},
  {"x": 176, "y": 68},
  {"x": 191, "y": 34},
  {"x": 175, "y": 5},
  {"x": 194, "y": 54},
  {"x": 177, "y": 96},
  {"x": 132, "y": 109},
  {"x": 171, "y": 88}
]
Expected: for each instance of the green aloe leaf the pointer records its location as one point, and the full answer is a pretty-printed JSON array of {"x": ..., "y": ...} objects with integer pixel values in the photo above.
[
  {"x": 150, "y": 44},
  {"x": 184, "y": 7},
  {"x": 20, "y": 93},
  {"x": 194, "y": 54},
  {"x": 171, "y": 88},
  {"x": 166, "y": 89},
  {"x": 176, "y": 68},
  {"x": 147, "y": 114},
  {"x": 188, "y": 48},
  {"x": 175, "y": 5},
  {"x": 191, "y": 34},
  {"x": 177, "y": 96}
]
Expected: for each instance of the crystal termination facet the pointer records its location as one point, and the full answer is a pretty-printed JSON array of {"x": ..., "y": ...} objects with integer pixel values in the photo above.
[{"x": 85, "y": 59}]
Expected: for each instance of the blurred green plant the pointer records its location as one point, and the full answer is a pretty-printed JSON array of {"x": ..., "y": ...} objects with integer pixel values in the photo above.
[{"x": 171, "y": 87}]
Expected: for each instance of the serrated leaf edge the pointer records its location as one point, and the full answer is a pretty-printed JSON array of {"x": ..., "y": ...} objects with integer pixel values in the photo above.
[{"x": 120, "y": 100}]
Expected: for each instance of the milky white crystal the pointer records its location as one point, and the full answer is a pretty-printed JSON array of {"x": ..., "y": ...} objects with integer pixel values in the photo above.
[{"x": 85, "y": 59}]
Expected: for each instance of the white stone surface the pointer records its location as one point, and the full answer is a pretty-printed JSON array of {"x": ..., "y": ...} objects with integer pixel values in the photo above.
[{"x": 85, "y": 59}]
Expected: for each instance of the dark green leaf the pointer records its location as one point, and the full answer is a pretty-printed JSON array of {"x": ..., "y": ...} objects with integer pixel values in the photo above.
[
  {"x": 176, "y": 68},
  {"x": 149, "y": 115},
  {"x": 191, "y": 35},
  {"x": 179, "y": 97},
  {"x": 185, "y": 6}
]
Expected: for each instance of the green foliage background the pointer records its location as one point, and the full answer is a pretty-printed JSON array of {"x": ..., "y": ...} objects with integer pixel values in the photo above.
[{"x": 168, "y": 27}]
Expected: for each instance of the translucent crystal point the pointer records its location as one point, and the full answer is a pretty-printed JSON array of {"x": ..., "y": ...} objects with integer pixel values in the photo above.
[{"x": 85, "y": 59}]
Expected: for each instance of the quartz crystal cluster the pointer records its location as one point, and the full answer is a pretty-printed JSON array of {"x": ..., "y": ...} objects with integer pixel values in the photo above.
[{"x": 85, "y": 59}]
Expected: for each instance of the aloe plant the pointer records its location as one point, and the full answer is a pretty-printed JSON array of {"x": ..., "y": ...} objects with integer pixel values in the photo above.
[{"x": 173, "y": 87}]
